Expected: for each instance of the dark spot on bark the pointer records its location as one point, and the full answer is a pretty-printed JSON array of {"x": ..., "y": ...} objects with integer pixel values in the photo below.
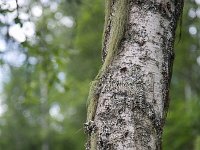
[
  {"x": 119, "y": 121},
  {"x": 169, "y": 6},
  {"x": 120, "y": 111},
  {"x": 101, "y": 143},
  {"x": 108, "y": 108},
  {"x": 123, "y": 70},
  {"x": 123, "y": 39},
  {"x": 141, "y": 43},
  {"x": 158, "y": 33},
  {"x": 96, "y": 96},
  {"x": 126, "y": 134},
  {"x": 107, "y": 134}
]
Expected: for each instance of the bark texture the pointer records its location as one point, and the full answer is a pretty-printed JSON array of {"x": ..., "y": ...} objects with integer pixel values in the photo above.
[{"x": 129, "y": 98}]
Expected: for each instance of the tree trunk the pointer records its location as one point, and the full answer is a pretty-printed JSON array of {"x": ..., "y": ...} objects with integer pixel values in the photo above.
[{"x": 129, "y": 98}]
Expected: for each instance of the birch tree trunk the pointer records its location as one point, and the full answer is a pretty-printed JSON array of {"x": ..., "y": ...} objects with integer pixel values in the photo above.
[{"x": 129, "y": 98}]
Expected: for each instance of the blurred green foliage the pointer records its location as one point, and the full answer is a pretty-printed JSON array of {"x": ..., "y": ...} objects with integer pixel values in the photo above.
[{"x": 45, "y": 87}]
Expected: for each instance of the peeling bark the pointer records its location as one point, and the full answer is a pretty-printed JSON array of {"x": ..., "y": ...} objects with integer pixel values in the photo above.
[{"x": 129, "y": 98}]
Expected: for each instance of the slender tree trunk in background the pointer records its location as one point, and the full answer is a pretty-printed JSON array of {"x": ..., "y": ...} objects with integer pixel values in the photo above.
[
  {"x": 128, "y": 100},
  {"x": 44, "y": 106}
]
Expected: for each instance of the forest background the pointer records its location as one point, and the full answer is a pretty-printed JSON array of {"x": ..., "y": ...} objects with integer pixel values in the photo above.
[{"x": 50, "y": 50}]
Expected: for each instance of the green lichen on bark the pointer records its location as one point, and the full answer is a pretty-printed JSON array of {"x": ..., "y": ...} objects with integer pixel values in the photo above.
[
  {"x": 92, "y": 100},
  {"x": 117, "y": 30},
  {"x": 108, "y": 7},
  {"x": 118, "y": 25},
  {"x": 116, "y": 35}
]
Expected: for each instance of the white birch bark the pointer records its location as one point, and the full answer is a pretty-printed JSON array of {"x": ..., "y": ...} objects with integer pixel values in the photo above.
[{"x": 129, "y": 98}]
